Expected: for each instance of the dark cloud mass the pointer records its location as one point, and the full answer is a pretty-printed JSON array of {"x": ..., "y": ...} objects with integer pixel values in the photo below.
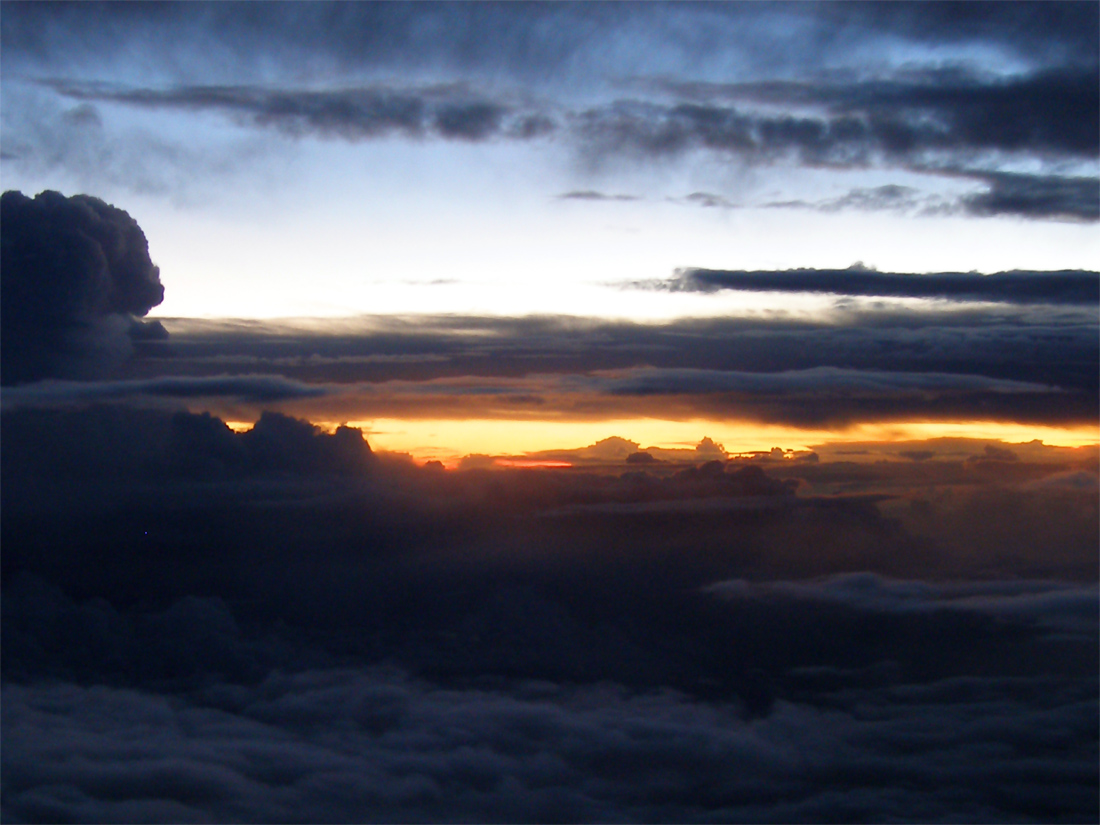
[
  {"x": 1049, "y": 112},
  {"x": 279, "y": 625},
  {"x": 1036, "y": 196},
  {"x": 351, "y": 114},
  {"x": 1019, "y": 362},
  {"x": 76, "y": 279},
  {"x": 1073, "y": 287},
  {"x": 728, "y": 80}
]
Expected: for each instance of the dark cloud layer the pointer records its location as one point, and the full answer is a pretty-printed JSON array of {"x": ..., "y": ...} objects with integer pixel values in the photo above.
[
  {"x": 76, "y": 278},
  {"x": 1012, "y": 362},
  {"x": 351, "y": 114},
  {"x": 1071, "y": 287},
  {"x": 539, "y": 40},
  {"x": 490, "y": 72},
  {"x": 1047, "y": 113},
  {"x": 297, "y": 642},
  {"x": 262, "y": 389},
  {"x": 1036, "y": 196}
]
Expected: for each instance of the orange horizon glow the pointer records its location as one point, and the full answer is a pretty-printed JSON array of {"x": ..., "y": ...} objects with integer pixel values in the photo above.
[
  {"x": 531, "y": 462},
  {"x": 517, "y": 443}
]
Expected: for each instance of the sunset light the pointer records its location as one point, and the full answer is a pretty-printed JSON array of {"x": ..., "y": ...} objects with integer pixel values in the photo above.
[{"x": 547, "y": 411}]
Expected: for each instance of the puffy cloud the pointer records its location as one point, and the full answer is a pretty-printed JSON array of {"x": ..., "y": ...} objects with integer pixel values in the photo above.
[
  {"x": 77, "y": 277},
  {"x": 147, "y": 446},
  {"x": 1053, "y": 605},
  {"x": 366, "y": 745}
]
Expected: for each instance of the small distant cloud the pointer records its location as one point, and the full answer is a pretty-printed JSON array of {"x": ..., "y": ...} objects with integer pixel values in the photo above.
[
  {"x": 708, "y": 200},
  {"x": 592, "y": 195}
]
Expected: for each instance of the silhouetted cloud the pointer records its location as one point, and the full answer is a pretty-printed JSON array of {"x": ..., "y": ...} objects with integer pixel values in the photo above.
[
  {"x": 906, "y": 115},
  {"x": 1017, "y": 287},
  {"x": 1036, "y": 196},
  {"x": 253, "y": 388},
  {"x": 273, "y": 631},
  {"x": 475, "y": 76},
  {"x": 352, "y": 113},
  {"x": 1018, "y": 362},
  {"x": 77, "y": 277},
  {"x": 933, "y": 123}
]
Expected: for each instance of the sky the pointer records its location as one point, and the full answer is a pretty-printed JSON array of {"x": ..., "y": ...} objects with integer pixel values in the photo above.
[
  {"x": 584, "y": 412},
  {"x": 497, "y": 160},
  {"x": 468, "y": 165}
]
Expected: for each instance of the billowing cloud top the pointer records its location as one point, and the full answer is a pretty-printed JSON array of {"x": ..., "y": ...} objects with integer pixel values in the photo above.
[{"x": 76, "y": 276}]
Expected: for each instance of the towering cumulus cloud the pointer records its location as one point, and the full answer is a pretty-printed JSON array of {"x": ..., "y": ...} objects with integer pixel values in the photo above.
[{"x": 76, "y": 278}]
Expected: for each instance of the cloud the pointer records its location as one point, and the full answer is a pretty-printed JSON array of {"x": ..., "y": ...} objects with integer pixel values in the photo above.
[
  {"x": 353, "y": 114},
  {"x": 577, "y": 44},
  {"x": 252, "y": 388},
  {"x": 1055, "y": 606},
  {"x": 708, "y": 200},
  {"x": 1017, "y": 287},
  {"x": 590, "y": 195},
  {"x": 887, "y": 197},
  {"x": 669, "y": 381},
  {"x": 148, "y": 446},
  {"x": 408, "y": 750},
  {"x": 935, "y": 123},
  {"x": 77, "y": 277},
  {"x": 1014, "y": 362},
  {"x": 1036, "y": 196},
  {"x": 228, "y": 626},
  {"x": 1039, "y": 344},
  {"x": 1049, "y": 112}
]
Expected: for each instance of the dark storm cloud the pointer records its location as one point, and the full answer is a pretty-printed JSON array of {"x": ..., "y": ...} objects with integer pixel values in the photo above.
[
  {"x": 351, "y": 114},
  {"x": 1073, "y": 287},
  {"x": 77, "y": 277}
]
